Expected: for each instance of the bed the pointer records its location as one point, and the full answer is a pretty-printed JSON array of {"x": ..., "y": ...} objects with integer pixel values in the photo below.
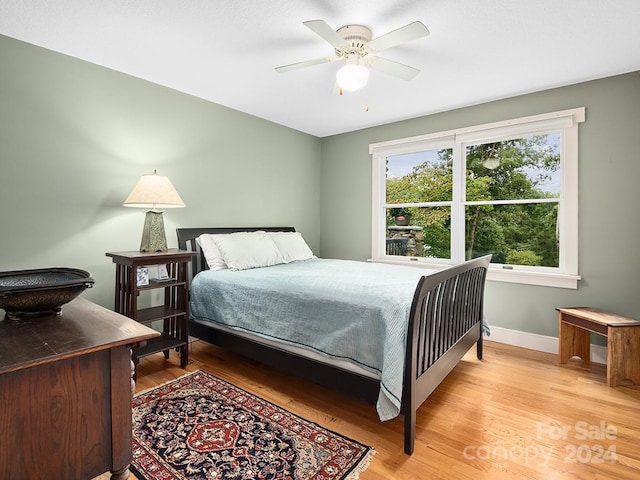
[{"x": 418, "y": 326}]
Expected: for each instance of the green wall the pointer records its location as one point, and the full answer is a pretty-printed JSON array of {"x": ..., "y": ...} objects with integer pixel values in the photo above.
[
  {"x": 609, "y": 220},
  {"x": 75, "y": 138}
]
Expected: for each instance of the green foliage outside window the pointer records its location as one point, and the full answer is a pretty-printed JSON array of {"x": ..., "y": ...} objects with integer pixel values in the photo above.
[{"x": 511, "y": 170}]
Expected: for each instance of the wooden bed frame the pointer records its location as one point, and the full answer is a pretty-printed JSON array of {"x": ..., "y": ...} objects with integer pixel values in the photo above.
[{"x": 444, "y": 323}]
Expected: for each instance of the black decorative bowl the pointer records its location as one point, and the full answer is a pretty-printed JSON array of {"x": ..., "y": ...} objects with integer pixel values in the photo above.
[{"x": 41, "y": 290}]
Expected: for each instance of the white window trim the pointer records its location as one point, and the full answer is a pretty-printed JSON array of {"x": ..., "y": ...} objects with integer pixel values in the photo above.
[{"x": 567, "y": 121}]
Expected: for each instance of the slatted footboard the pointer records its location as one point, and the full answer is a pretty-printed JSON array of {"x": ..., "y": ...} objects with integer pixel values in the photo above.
[{"x": 444, "y": 323}]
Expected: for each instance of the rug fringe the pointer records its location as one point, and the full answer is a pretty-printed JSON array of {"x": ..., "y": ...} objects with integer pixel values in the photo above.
[{"x": 362, "y": 466}]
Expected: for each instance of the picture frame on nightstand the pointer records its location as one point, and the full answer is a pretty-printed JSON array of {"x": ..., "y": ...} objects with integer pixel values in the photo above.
[{"x": 142, "y": 276}]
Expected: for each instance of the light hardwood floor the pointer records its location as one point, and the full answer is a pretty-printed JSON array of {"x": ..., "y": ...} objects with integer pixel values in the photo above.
[{"x": 516, "y": 414}]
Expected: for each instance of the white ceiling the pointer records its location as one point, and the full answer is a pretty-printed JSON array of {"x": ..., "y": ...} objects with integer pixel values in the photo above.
[{"x": 225, "y": 51}]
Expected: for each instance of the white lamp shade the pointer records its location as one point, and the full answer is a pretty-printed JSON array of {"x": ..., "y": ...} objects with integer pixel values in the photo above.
[
  {"x": 352, "y": 76},
  {"x": 154, "y": 191}
]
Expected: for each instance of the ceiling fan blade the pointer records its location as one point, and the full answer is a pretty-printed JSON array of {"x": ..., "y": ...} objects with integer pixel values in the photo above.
[
  {"x": 390, "y": 67},
  {"x": 324, "y": 31},
  {"x": 307, "y": 63},
  {"x": 404, "y": 34}
]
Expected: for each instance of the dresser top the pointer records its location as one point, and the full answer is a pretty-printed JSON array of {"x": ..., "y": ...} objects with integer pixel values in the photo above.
[{"x": 82, "y": 327}]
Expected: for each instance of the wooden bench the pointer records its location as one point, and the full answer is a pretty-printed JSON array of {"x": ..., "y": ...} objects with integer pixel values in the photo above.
[{"x": 623, "y": 341}]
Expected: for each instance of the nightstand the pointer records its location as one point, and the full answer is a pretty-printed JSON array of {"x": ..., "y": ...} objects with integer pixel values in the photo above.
[{"x": 173, "y": 312}]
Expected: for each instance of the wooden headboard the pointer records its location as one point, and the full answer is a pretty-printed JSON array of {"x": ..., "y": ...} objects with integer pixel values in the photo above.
[{"x": 187, "y": 240}]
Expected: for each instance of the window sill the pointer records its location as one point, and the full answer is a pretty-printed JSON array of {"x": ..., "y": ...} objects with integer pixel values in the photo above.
[
  {"x": 496, "y": 274},
  {"x": 543, "y": 279}
]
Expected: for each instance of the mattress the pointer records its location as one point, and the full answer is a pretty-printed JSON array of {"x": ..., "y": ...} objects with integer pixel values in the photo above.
[{"x": 346, "y": 313}]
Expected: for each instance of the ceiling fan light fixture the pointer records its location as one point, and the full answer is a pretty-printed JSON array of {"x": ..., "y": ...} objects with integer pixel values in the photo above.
[{"x": 352, "y": 75}]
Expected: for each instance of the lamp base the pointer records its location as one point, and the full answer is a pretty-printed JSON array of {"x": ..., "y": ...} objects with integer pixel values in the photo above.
[{"x": 153, "y": 237}]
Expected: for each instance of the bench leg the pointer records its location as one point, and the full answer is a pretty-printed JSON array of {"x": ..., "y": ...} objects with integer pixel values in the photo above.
[
  {"x": 574, "y": 342},
  {"x": 623, "y": 355}
]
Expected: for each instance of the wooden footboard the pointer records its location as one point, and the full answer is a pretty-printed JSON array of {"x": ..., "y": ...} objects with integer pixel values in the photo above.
[{"x": 445, "y": 321}]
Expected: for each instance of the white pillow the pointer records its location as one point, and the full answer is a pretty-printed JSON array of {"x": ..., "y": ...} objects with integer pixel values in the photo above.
[
  {"x": 291, "y": 245},
  {"x": 243, "y": 250},
  {"x": 211, "y": 252}
]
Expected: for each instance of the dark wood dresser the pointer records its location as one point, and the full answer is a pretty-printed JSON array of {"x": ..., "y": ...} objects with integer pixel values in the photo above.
[{"x": 65, "y": 393}]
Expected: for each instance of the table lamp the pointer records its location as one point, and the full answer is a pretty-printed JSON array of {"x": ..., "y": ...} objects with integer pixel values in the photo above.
[{"x": 154, "y": 192}]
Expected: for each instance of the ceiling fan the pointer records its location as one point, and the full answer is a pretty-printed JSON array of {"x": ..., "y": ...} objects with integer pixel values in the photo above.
[{"x": 353, "y": 46}]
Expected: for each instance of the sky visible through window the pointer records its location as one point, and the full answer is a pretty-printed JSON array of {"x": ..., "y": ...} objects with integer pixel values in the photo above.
[{"x": 400, "y": 165}]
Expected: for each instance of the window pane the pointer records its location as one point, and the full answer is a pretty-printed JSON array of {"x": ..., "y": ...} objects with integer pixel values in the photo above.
[
  {"x": 419, "y": 177},
  {"x": 524, "y": 168},
  {"x": 520, "y": 234},
  {"x": 424, "y": 232}
]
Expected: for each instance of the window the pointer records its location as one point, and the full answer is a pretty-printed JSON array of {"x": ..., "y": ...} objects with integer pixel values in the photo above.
[{"x": 509, "y": 189}]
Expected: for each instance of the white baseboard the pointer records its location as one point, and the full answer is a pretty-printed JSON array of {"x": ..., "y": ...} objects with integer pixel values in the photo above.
[{"x": 541, "y": 343}]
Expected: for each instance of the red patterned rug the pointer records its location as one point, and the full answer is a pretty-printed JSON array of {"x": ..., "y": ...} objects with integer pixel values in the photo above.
[{"x": 201, "y": 427}]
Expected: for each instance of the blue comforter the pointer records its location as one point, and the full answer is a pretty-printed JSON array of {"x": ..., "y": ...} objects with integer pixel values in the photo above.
[{"x": 357, "y": 311}]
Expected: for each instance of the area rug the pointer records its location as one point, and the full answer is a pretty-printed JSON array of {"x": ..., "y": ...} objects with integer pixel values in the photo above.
[{"x": 201, "y": 427}]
